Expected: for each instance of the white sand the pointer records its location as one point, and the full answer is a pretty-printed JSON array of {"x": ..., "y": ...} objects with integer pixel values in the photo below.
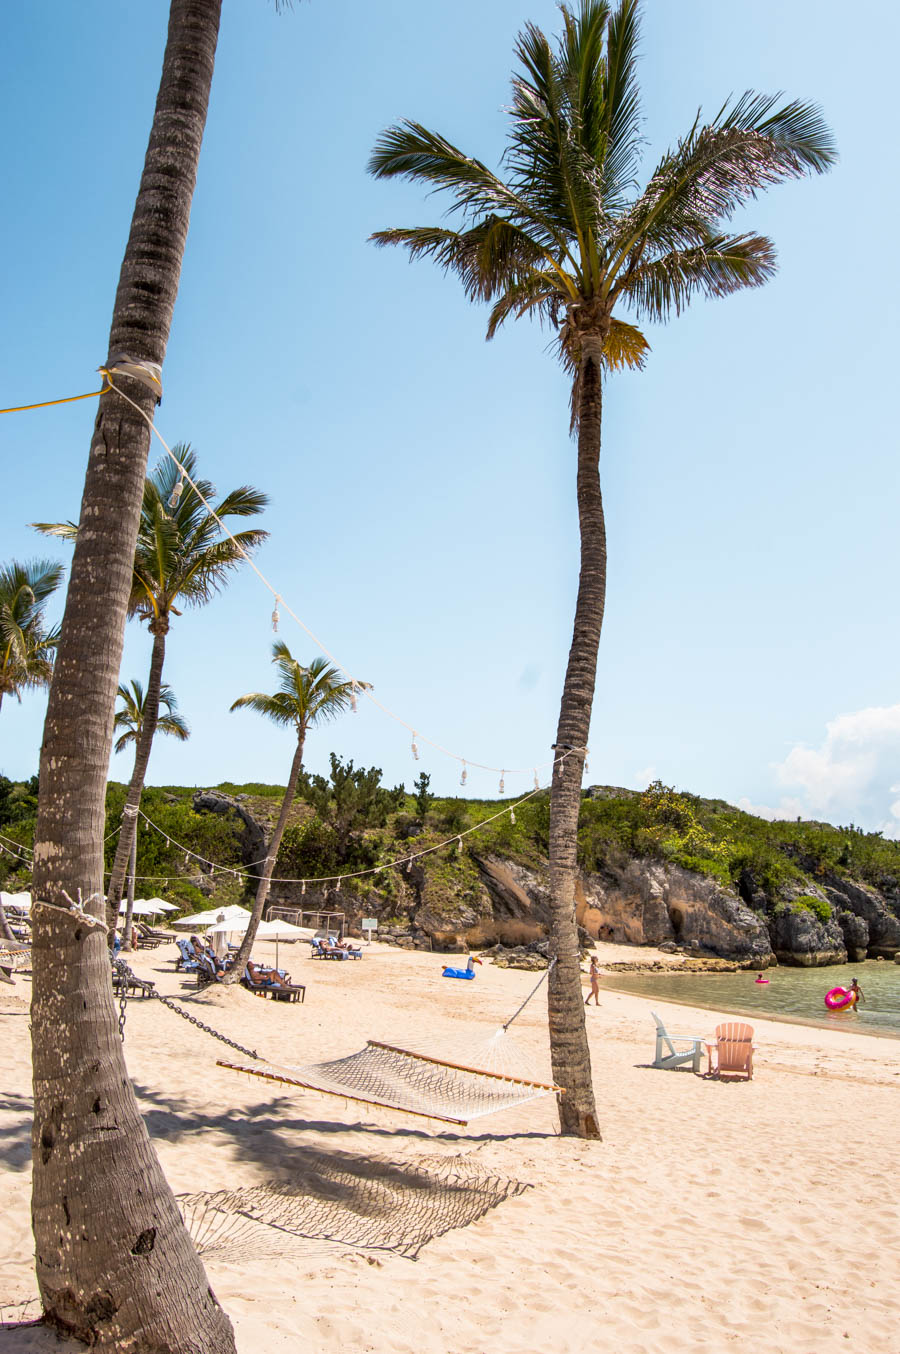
[{"x": 713, "y": 1216}]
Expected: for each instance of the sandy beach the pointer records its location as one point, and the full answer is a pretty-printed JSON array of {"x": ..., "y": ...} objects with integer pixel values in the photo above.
[{"x": 712, "y": 1216}]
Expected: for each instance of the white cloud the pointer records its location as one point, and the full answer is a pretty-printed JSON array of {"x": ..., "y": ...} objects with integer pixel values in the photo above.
[
  {"x": 851, "y": 777},
  {"x": 645, "y": 777}
]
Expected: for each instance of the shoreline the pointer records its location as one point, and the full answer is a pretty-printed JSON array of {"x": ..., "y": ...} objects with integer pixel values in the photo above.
[{"x": 751, "y": 1013}]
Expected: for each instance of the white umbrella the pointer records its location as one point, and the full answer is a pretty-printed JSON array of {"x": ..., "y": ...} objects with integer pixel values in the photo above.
[
  {"x": 267, "y": 930},
  {"x": 161, "y": 905},
  {"x": 231, "y": 913},
  {"x": 142, "y": 908},
  {"x": 19, "y": 902}
]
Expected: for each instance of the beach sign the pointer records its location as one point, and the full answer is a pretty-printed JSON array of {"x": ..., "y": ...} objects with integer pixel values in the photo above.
[{"x": 369, "y": 924}]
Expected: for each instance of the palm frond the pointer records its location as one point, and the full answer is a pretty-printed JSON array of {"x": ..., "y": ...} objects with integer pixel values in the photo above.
[
  {"x": 617, "y": 141},
  {"x": 279, "y": 708},
  {"x": 720, "y": 266},
  {"x": 719, "y": 167}
]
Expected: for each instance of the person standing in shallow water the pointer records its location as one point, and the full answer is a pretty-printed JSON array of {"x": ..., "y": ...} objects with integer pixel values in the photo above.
[
  {"x": 856, "y": 993},
  {"x": 594, "y": 975}
]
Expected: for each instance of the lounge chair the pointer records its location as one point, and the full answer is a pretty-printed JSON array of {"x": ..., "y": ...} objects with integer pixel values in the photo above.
[
  {"x": 187, "y": 959},
  {"x": 667, "y": 1052},
  {"x": 734, "y": 1050},
  {"x": 292, "y": 992},
  {"x": 131, "y": 985}
]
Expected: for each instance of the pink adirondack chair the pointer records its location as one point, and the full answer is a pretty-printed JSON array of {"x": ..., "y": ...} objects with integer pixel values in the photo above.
[{"x": 734, "y": 1050}]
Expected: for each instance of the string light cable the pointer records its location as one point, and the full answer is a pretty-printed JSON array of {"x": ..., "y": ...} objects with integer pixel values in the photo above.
[
  {"x": 280, "y": 604},
  {"x": 404, "y": 862}
]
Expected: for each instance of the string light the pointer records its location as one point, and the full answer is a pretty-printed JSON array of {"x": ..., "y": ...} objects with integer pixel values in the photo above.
[
  {"x": 503, "y": 782},
  {"x": 353, "y": 697},
  {"x": 464, "y": 775},
  {"x": 415, "y": 750},
  {"x": 177, "y": 491},
  {"x": 275, "y": 616},
  {"x": 459, "y": 846},
  {"x": 409, "y": 865},
  {"x": 512, "y": 815},
  {"x": 303, "y": 888},
  {"x": 537, "y": 785},
  {"x": 586, "y": 751}
]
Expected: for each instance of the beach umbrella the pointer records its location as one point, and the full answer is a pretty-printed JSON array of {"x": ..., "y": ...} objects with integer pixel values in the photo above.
[
  {"x": 142, "y": 908},
  {"x": 267, "y": 930},
  {"x": 162, "y": 906},
  {"x": 19, "y": 902},
  {"x": 234, "y": 912}
]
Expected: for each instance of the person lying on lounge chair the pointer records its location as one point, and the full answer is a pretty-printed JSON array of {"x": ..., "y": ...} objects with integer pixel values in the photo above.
[
  {"x": 347, "y": 946},
  {"x": 269, "y": 977}
]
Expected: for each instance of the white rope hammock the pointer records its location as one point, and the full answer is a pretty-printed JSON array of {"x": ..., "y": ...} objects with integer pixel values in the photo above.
[{"x": 411, "y": 1083}]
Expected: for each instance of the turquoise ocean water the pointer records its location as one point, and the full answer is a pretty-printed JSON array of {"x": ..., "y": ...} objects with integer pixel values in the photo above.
[{"x": 792, "y": 993}]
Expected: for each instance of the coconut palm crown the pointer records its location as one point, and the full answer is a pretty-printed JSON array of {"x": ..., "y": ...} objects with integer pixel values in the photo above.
[
  {"x": 184, "y": 555},
  {"x": 306, "y": 696},
  {"x": 130, "y": 715},
  {"x": 26, "y": 645},
  {"x": 567, "y": 234}
]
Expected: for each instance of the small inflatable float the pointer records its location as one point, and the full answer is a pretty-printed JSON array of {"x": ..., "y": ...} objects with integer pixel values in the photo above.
[
  {"x": 761, "y": 979},
  {"x": 468, "y": 972},
  {"x": 839, "y": 998}
]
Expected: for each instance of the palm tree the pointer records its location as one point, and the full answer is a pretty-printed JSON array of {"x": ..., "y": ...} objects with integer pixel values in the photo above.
[
  {"x": 182, "y": 554},
  {"x": 305, "y": 697},
  {"x": 568, "y": 236},
  {"x": 115, "y": 1265},
  {"x": 130, "y": 719},
  {"x": 26, "y": 646}
]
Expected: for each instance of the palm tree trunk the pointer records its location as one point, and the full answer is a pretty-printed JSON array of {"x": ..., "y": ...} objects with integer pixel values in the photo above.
[
  {"x": 129, "y": 907},
  {"x": 149, "y": 720},
  {"x": 240, "y": 959},
  {"x": 568, "y": 1037},
  {"x": 115, "y": 1265}
]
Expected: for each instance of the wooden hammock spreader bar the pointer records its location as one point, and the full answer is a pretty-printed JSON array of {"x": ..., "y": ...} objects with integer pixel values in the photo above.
[
  {"x": 340, "y": 1095},
  {"x": 461, "y": 1067}
]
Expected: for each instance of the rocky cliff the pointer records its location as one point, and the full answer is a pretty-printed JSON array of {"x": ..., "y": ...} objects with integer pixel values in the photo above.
[{"x": 481, "y": 897}]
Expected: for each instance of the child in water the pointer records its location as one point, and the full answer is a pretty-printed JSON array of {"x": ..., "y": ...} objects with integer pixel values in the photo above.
[
  {"x": 594, "y": 975},
  {"x": 856, "y": 993}
]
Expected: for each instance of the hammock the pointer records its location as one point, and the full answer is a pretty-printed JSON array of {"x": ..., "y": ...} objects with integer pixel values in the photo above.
[{"x": 413, "y": 1083}]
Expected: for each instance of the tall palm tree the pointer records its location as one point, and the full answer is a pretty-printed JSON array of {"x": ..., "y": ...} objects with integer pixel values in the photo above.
[
  {"x": 26, "y": 645},
  {"x": 567, "y": 235},
  {"x": 130, "y": 718},
  {"x": 114, "y": 1262},
  {"x": 305, "y": 697},
  {"x": 182, "y": 555}
]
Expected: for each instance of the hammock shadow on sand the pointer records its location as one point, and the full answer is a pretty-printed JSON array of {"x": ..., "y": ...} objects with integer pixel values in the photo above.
[{"x": 354, "y": 1203}]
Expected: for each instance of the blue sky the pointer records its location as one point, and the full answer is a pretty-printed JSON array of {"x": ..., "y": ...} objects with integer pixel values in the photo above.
[{"x": 422, "y": 482}]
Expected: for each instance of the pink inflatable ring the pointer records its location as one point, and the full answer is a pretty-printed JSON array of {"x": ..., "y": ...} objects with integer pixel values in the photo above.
[{"x": 838, "y": 999}]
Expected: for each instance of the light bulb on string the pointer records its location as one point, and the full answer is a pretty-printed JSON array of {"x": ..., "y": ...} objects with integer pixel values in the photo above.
[
  {"x": 409, "y": 865},
  {"x": 337, "y": 887},
  {"x": 353, "y": 705},
  {"x": 537, "y": 784},
  {"x": 302, "y": 888},
  {"x": 465, "y": 775},
  {"x": 459, "y": 846},
  {"x": 503, "y": 782},
  {"x": 177, "y": 491},
  {"x": 512, "y": 815},
  {"x": 275, "y": 615},
  {"x": 586, "y": 751},
  {"x": 415, "y": 750}
]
